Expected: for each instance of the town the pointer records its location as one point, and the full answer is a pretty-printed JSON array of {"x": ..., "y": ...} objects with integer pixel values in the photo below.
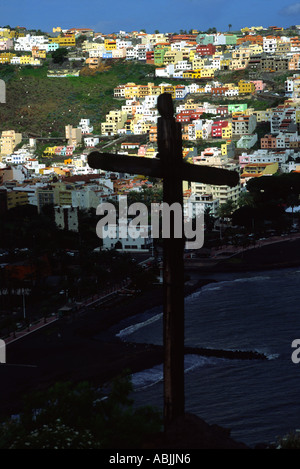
[
  {"x": 68, "y": 92},
  {"x": 235, "y": 94}
]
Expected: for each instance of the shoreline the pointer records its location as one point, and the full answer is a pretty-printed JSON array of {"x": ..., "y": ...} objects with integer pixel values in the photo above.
[
  {"x": 69, "y": 350},
  {"x": 79, "y": 348},
  {"x": 83, "y": 348}
]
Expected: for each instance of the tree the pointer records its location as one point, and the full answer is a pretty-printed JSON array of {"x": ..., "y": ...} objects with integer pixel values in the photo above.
[
  {"x": 246, "y": 199},
  {"x": 68, "y": 416},
  {"x": 211, "y": 31},
  {"x": 209, "y": 219},
  {"x": 59, "y": 55},
  {"x": 229, "y": 26},
  {"x": 225, "y": 210}
]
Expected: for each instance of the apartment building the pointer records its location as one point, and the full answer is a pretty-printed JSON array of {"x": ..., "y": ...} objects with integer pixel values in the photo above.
[
  {"x": 73, "y": 135},
  {"x": 66, "y": 218},
  {"x": 243, "y": 124},
  {"x": 246, "y": 87},
  {"x": 274, "y": 63},
  {"x": 115, "y": 121},
  {"x": 9, "y": 139}
]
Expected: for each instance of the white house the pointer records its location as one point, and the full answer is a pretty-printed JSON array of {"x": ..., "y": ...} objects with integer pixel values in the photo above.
[
  {"x": 91, "y": 141},
  {"x": 66, "y": 217},
  {"x": 85, "y": 126},
  {"x": 113, "y": 237},
  {"x": 199, "y": 203}
]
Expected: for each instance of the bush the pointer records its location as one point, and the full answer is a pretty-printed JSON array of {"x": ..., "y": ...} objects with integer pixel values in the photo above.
[
  {"x": 290, "y": 441},
  {"x": 80, "y": 417}
]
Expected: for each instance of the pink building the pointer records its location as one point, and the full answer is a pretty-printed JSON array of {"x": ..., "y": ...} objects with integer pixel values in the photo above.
[
  {"x": 244, "y": 160},
  {"x": 142, "y": 150},
  {"x": 6, "y": 44},
  {"x": 259, "y": 85}
]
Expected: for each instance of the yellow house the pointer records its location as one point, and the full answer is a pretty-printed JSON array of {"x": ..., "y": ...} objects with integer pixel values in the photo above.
[
  {"x": 26, "y": 60},
  {"x": 150, "y": 152},
  {"x": 9, "y": 139},
  {"x": 199, "y": 134},
  {"x": 168, "y": 89},
  {"x": 225, "y": 64},
  {"x": 194, "y": 74},
  {"x": 49, "y": 151},
  {"x": 64, "y": 41},
  {"x": 68, "y": 161},
  {"x": 259, "y": 169},
  {"x": 131, "y": 91},
  {"x": 110, "y": 44},
  {"x": 207, "y": 73},
  {"x": 143, "y": 90},
  {"x": 264, "y": 116},
  {"x": 77, "y": 162},
  {"x": 115, "y": 121},
  {"x": 154, "y": 90},
  {"x": 224, "y": 149},
  {"x": 190, "y": 104},
  {"x": 6, "y": 57},
  {"x": 197, "y": 64},
  {"x": 185, "y": 53},
  {"x": 192, "y": 55},
  {"x": 62, "y": 195},
  {"x": 8, "y": 34},
  {"x": 200, "y": 90},
  {"x": 227, "y": 131},
  {"x": 256, "y": 49},
  {"x": 246, "y": 87},
  {"x": 172, "y": 56}
]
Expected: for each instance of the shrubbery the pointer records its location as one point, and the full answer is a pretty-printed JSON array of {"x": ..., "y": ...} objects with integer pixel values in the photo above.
[{"x": 80, "y": 416}]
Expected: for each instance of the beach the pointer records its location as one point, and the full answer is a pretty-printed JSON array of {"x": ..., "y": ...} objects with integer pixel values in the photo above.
[
  {"x": 82, "y": 348},
  {"x": 68, "y": 348}
]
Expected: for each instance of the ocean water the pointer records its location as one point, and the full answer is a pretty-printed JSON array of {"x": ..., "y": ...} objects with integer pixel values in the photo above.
[{"x": 260, "y": 311}]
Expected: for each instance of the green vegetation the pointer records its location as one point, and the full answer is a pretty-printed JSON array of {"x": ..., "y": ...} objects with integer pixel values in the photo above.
[
  {"x": 59, "y": 55},
  {"x": 289, "y": 441},
  {"x": 68, "y": 416},
  {"x": 266, "y": 201},
  {"x": 37, "y": 104}
]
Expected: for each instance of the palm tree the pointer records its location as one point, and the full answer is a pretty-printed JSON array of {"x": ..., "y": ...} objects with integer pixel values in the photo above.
[{"x": 229, "y": 26}]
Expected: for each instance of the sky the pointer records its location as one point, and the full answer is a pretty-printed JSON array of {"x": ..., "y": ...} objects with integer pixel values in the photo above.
[{"x": 162, "y": 15}]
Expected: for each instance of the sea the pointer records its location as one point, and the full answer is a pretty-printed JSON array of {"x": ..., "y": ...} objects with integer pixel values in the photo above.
[{"x": 258, "y": 400}]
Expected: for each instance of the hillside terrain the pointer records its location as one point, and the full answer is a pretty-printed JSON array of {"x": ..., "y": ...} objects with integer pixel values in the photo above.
[{"x": 39, "y": 106}]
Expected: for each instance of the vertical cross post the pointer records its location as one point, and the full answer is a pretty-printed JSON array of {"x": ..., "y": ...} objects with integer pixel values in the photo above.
[
  {"x": 169, "y": 142},
  {"x": 170, "y": 166}
]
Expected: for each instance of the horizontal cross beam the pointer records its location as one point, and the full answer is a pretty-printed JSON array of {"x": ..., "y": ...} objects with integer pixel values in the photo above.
[{"x": 153, "y": 167}]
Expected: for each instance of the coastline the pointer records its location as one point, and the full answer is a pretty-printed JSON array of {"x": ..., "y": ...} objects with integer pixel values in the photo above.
[
  {"x": 83, "y": 347},
  {"x": 80, "y": 348}
]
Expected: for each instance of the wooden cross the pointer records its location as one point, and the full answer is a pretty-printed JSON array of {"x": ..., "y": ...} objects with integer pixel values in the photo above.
[{"x": 170, "y": 166}]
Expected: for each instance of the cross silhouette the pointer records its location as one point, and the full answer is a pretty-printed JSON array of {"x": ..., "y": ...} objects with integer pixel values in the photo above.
[{"x": 170, "y": 166}]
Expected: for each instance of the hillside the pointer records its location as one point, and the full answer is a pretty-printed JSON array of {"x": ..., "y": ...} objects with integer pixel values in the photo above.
[{"x": 40, "y": 106}]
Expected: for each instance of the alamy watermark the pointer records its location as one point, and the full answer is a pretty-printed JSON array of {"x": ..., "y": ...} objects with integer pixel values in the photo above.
[
  {"x": 166, "y": 221},
  {"x": 2, "y": 92},
  {"x": 2, "y": 351},
  {"x": 296, "y": 353}
]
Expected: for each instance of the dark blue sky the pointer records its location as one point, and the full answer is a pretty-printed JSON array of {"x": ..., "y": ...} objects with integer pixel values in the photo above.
[{"x": 164, "y": 15}]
